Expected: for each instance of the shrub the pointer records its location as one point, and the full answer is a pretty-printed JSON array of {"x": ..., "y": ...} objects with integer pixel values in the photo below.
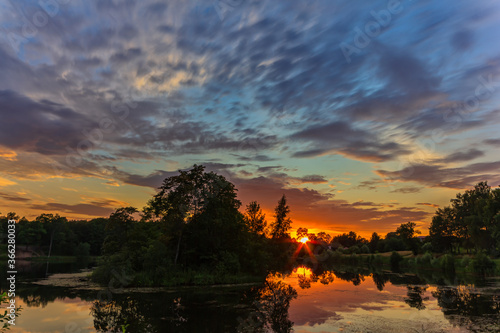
[
  {"x": 483, "y": 264},
  {"x": 354, "y": 249},
  {"x": 228, "y": 263},
  {"x": 335, "y": 256},
  {"x": 447, "y": 263},
  {"x": 427, "y": 247},
  {"x": 465, "y": 262},
  {"x": 365, "y": 249},
  {"x": 424, "y": 261}
]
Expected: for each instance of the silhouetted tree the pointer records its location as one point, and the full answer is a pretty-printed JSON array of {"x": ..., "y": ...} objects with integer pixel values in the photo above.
[
  {"x": 282, "y": 222},
  {"x": 254, "y": 218}
]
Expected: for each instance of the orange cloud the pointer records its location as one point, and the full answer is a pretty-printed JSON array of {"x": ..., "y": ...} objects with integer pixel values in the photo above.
[
  {"x": 6, "y": 182},
  {"x": 8, "y": 154}
]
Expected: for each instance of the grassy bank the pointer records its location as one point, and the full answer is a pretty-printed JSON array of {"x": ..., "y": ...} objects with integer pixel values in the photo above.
[
  {"x": 405, "y": 260},
  {"x": 52, "y": 259}
]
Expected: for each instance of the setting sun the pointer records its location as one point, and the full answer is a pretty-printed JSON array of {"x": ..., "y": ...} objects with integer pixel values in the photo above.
[{"x": 304, "y": 240}]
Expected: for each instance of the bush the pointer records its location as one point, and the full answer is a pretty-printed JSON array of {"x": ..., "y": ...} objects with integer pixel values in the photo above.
[
  {"x": 334, "y": 256},
  {"x": 447, "y": 263},
  {"x": 354, "y": 249},
  {"x": 482, "y": 264},
  {"x": 465, "y": 262},
  {"x": 116, "y": 269},
  {"x": 427, "y": 247},
  {"x": 365, "y": 249},
  {"x": 395, "y": 259},
  {"x": 228, "y": 263},
  {"x": 424, "y": 261}
]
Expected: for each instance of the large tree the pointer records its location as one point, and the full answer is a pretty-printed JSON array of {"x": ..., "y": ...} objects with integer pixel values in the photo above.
[
  {"x": 441, "y": 232},
  {"x": 472, "y": 220},
  {"x": 53, "y": 224},
  {"x": 282, "y": 223},
  {"x": 255, "y": 219},
  {"x": 201, "y": 204},
  {"x": 407, "y": 232}
]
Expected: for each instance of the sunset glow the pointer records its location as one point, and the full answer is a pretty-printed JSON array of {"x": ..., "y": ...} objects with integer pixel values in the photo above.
[
  {"x": 304, "y": 240},
  {"x": 277, "y": 96}
]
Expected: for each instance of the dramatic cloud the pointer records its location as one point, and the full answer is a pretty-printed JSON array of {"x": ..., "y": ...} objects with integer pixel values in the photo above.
[
  {"x": 114, "y": 96},
  {"x": 439, "y": 176},
  {"x": 80, "y": 209},
  {"x": 407, "y": 189},
  {"x": 10, "y": 197},
  {"x": 463, "y": 156},
  {"x": 339, "y": 137},
  {"x": 41, "y": 126},
  {"x": 493, "y": 142}
]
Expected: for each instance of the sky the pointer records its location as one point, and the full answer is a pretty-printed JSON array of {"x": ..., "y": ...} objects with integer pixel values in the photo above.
[{"x": 365, "y": 114}]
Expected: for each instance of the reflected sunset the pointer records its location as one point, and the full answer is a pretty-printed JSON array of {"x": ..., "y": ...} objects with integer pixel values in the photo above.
[{"x": 250, "y": 166}]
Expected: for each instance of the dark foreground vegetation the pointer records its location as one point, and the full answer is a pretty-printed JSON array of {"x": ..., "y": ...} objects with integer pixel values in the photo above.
[{"x": 193, "y": 233}]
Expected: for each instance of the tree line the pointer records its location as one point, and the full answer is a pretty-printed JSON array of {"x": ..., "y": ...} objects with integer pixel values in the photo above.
[
  {"x": 471, "y": 222},
  {"x": 192, "y": 231},
  {"x": 52, "y": 234}
]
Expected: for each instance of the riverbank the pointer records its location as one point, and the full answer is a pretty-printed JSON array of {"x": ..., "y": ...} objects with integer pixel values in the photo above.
[
  {"x": 404, "y": 260},
  {"x": 82, "y": 281}
]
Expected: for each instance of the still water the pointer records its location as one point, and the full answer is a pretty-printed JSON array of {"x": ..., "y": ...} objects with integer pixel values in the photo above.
[{"x": 334, "y": 300}]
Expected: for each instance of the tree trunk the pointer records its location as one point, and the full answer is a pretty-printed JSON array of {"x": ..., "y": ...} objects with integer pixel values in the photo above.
[
  {"x": 48, "y": 256},
  {"x": 178, "y": 248},
  {"x": 50, "y": 246}
]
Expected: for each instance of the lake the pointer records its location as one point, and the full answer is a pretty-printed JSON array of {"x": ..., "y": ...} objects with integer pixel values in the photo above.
[{"x": 328, "y": 300}]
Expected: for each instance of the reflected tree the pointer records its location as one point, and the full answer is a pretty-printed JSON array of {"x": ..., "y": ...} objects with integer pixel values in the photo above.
[
  {"x": 380, "y": 280},
  {"x": 326, "y": 277},
  {"x": 415, "y": 299},
  {"x": 271, "y": 313},
  {"x": 115, "y": 316},
  {"x": 355, "y": 278},
  {"x": 468, "y": 307},
  {"x": 304, "y": 281}
]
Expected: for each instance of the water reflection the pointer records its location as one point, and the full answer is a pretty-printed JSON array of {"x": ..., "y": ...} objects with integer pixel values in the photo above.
[
  {"x": 118, "y": 316},
  {"x": 306, "y": 277},
  {"x": 380, "y": 280},
  {"x": 467, "y": 307},
  {"x": 326, "y": 299},
  {"x": 414, "y": 297},
  {"x": 270, "y": 308}
]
